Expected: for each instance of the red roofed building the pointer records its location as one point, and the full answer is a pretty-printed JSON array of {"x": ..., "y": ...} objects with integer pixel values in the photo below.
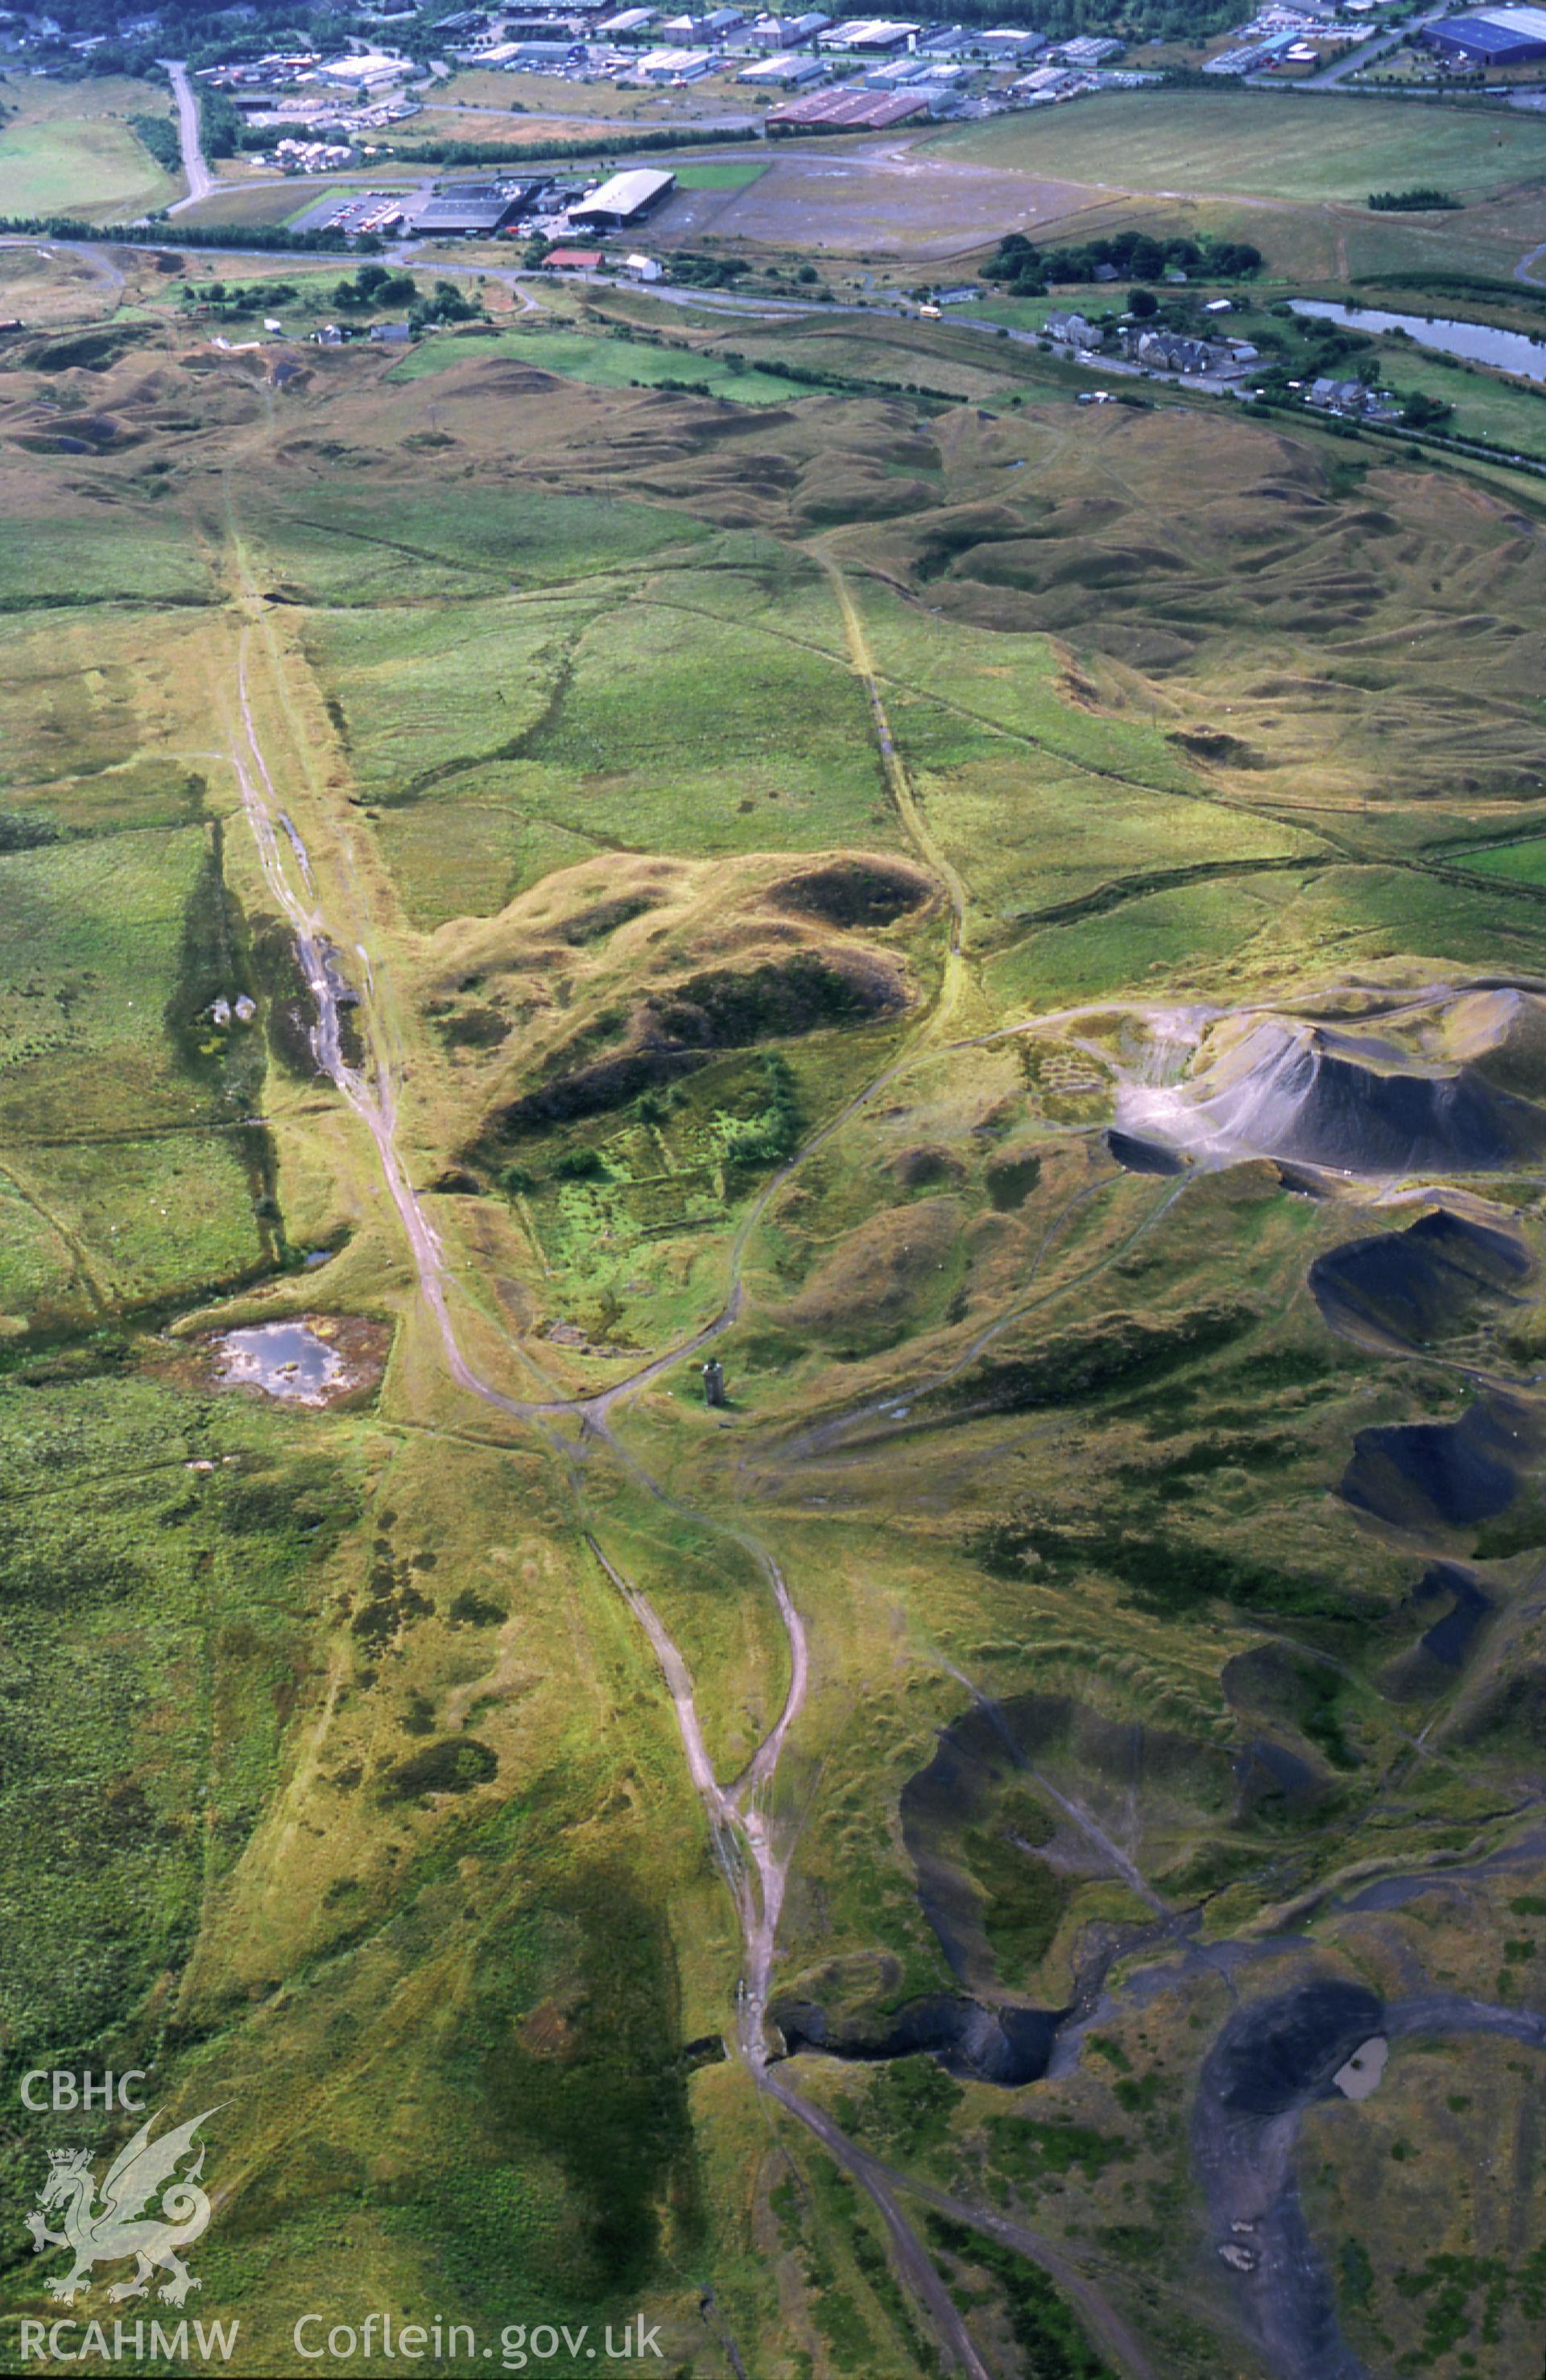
[{"x": 573, "y": 260}]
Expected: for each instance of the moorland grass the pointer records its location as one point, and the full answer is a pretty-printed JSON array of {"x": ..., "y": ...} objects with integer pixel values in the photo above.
[
  {"x": 603, "y": 362},
  {"x": 344, "y": 544},
  {"x": 625, "y": 724},
  {"x": 49, "y": 561},
  {"x": 347, "y": 1786},
  {"x": 134, "y": 1591},
  {"x": 94, "y": 942}
]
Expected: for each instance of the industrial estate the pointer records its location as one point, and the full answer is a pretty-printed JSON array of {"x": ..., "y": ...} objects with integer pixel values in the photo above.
[{"x": 773, "y": 1191}]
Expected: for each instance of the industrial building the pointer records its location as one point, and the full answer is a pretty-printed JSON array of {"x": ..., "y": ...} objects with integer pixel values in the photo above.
[
  {"x": 623, "y": 201},
  {"x": 786, "y": 32},
  {"x": 788, "y": 71},
  {"x": 1011, "y": 42},
  {"x": 543, "y": 57},
  {"x": 847, "y": 111},
  {"x": 1089, "y": 50},
  {"x": 367, "y": 70},
  {"x": 476, "y": 208},
  {"x": 877, "y": 36},
  {"x": 675, "y": 65},
  {"x": 1490, "y": 37}
]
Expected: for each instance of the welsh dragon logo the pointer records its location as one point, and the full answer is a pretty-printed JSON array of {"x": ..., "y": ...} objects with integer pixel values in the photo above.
[{"x": 117, "y": 2226}]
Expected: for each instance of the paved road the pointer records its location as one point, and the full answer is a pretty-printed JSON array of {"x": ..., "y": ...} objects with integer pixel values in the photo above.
[
  {"x": 1356, "y": 61},
  {"x": 1366, "y": 54},
  {"x": 201, "y": 181}
]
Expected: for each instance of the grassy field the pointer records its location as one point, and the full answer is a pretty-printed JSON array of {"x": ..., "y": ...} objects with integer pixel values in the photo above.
[
  {"x": 1273, "y": 146},
  {"x": 1508, "y": 413},
  {"x": 606, "y": 363},
  {"x": 1522, "y": 863},
  {"x": 505, "y": 130},
  {"x": 718, "y": 810},
  {"x": 68, "y": 149},
  {"x": 720, "y": 173},
  {"x": 549, "y": 97}
]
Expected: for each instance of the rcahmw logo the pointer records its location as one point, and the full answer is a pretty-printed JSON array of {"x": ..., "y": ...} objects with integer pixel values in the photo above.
[{"x": 149, "y": 2207}]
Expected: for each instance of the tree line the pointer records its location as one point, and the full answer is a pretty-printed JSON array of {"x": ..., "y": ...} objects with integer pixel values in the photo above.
[{"x": 1128, "y": 255}]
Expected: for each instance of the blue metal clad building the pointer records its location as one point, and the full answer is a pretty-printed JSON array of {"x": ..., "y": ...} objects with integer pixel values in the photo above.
[{"x": 1491, "y": 37}]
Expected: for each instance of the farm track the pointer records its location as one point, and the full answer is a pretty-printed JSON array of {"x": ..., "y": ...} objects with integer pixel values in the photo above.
[{"x": 68, "y": 1239}]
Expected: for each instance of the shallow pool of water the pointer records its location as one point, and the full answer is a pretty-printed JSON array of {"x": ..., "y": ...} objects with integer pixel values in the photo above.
[
  {"x": 284, "y": 1359},
  {"x": 1478, "y": 343}
]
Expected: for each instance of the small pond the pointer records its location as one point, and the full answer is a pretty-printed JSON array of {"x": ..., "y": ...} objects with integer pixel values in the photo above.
[
  {"x": 1478, "y": 343},
  {"x": 284, "y": 1359}
]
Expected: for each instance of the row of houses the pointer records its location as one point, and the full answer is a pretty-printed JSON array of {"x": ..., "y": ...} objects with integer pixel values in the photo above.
[
  {"x": 1153, "y": 348},
  {"x": 1352, "y": 401}
]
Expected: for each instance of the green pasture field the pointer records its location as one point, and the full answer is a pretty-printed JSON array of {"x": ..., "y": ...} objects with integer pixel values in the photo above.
[
  {"x": 47, "y": 563},
  {"x": 1508, "y": 413},
  {"x": 94, "y": 939},
  {"x": 1192, "y": 937},
  {"x": 603, "y": 362},
  {"x": 518, "y": 110},
  {"x": 974, "y": 374},
  {"x": 1282, "y": 147},
  {"x": 113, "y": 951},
  {"x": 497, "y": 850},
  {"x": 618, "y": 717},
  {"x": 1250, "y": 929},
  {"x": 1521, "y": 863},
  {"x": 343, "y": 546},
  {"x": 1017, "y": 684},
  {"x": 418, "y": 684},
  {"x": 100, "y": 1520},
  {"x": 1015, "y": 313},
  {"x": 155, "y": 1222},
  {"x": 67, "y": 148},
  {"x": 720, "y": 172}
]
